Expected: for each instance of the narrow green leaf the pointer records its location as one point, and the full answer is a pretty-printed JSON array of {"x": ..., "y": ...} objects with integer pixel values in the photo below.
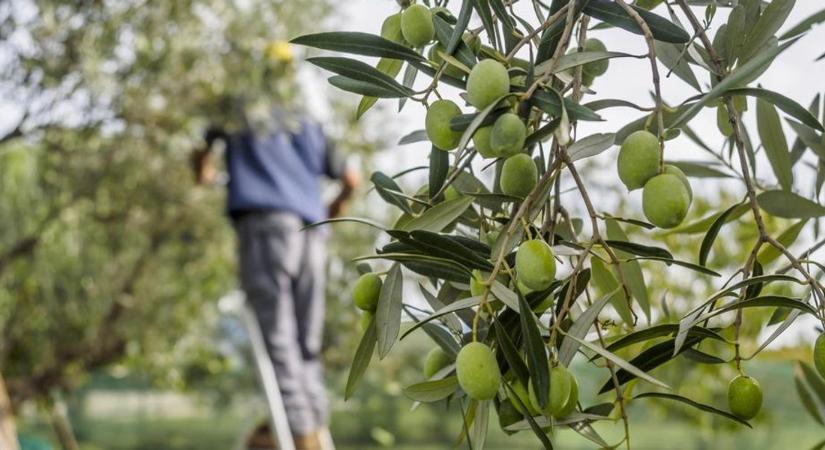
[
  {"x": 691, "y": 266},
  {"x": 774, "y": 143},
  {"x": 604, "y": 279},
  {"x": 572, "y": 60},
  {"x": 481, "y": 418},
  {"x": 439, "y": 166},
  {"x": 590, "y": 146},
  {"x": 536, "y": 353},
  {"x": 695, "y": 169},
  {"x": 413, "y": 137},
  {"x": 360, "y": 220},
  {"x": 695, "y": 404},
  {"x": 432, "y": 391},
  {"x": 808, "y": 139},
  {"x": 443, "y": 32},
  {"x": 569, "y": 346},
  {"x": 483, "y": 9},
  {"x": 637, "y": 249},
  {"x": 738, "y": 76},
  {"x": 760, "y": 302},
  {"x": 804, "y": 26},
  {"x": 650, "y": 359},
  {"x": 359, "y": 44},
  {"x": 626, "y": 366},
  {"x": 440, "y": 215},
  {"x": 769, "y": 253},
  {"x": 788, "y": 105},
  {"x": 360, "y": 71},
  {"x": 361, "y": 360},
  {"x": 710, "y": 236},
  {"x": 361, "y": 87},
  {"x": 463, "y": 20},
  {"x": 537, "y": 430},
  {"x": 768, "y": 24},
  {"x": 658, "y": 331},
  {"x": 511, "y": 354},
  {"x": 672, "y": 57},
  {"x": 789, "y": 205},
  {"x": 811, "y": 389},
  {"x": 612, "y": 13},
  {"x": 458, "y": 305},
  {"x": 631, "y": 270},
  {"x": 388, "y": 313},
  {"x": 387, "y": 188}
]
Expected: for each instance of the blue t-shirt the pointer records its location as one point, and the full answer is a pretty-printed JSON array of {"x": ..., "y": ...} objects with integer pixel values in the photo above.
[{"x": 279, "y": 171}]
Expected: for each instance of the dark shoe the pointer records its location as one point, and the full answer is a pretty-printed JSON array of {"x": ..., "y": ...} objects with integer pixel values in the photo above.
[{"x": 261, "y": 439}]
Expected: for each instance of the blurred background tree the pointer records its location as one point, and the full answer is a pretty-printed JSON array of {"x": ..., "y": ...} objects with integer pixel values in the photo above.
[{"x": 108, "y": 254}]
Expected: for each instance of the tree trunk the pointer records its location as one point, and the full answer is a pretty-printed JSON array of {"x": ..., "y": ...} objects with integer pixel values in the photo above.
[
  {"x": 8, "y": 429},
  {"x": 62, "y": 426}
]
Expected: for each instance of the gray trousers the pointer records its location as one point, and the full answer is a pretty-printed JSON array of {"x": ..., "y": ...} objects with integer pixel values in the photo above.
[{"x": 282, "y": 273}]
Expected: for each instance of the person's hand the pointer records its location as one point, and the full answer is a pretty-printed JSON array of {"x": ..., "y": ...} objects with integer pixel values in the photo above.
[
  {"x": 335, "y": 208},
  {"x": 203, "y": 167},
  {"x": 350, "y": 180}
]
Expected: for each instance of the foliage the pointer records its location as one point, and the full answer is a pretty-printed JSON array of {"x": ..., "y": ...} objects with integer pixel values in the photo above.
[
  {"x": 459, "y": 235},
  {"x": 108, "y": 255}
]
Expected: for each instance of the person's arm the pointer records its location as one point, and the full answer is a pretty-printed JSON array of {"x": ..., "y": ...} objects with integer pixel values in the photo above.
[
  {"x": 350, "y": 180},
  {"x": 203, "y": 163},
  {"x": 337, "y": 168}
]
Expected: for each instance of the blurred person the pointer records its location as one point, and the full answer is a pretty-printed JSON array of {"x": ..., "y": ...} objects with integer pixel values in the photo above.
[{"x": 275, "y": 159}]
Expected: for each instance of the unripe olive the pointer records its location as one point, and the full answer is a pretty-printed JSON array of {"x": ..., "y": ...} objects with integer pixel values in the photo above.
[
  {"x": 562, "y": 396},
  {"x": 366, "y": 291},
  {"x": 819, "y": 354},
  {"x": 391, "y": 29},
  {"x": 437, "y": 123},
  {"x": 451, "y": 193},
  {"x": 638, "y": 159},
  {"x": 523, "y": 394},
  {"x": 535, "y": 264},
  {"x": 438, "y": 60},
  {"x": 587, "y": 80},
  {"x": 436, "y": 360},
  {"x": 365, "y": 320},
  {"x": 572, "y": 400},
  {"x": 508, "y": 135},
  {"x": 595, "y": 68},
  {"x": 417, "y": 25},
  {"x": 744, "y": 397},
  {"x": 561, "y": 386},
  {"x": 481, "y": 141},
  {"x": 477, "y": 371},
  {"x": 665, "y": 200},
  {"x": 488, "y": 81},
  {"x": 673, "y": 170},
  {"x": 518, "y": 175}
]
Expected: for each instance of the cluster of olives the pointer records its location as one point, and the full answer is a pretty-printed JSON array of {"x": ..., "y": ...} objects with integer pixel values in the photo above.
[
  {"x": 666, "y": 194},
  {"x": 487, "y": 82},
  {"x": 365, "y": 295}
]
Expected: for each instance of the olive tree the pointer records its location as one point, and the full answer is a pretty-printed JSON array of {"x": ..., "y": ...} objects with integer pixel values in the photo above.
[
  {"x": 108, "y": 253},
  {"x": 521, "y": 277}
]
